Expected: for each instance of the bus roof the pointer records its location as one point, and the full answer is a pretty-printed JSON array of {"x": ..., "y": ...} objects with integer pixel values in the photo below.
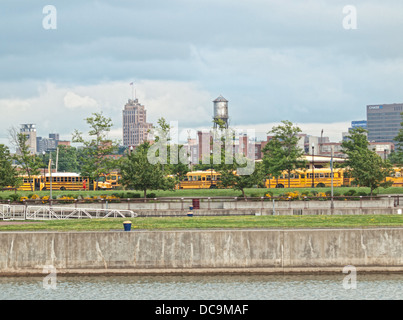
[{"x": 63, "y": 174}]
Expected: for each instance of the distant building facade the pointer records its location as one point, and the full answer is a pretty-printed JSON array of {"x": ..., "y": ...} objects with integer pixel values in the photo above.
[
  {"x": 29, "y": 130},
  {"x": 383, "y": 122},
  {"x": 135, "y": 126},
  {"x": 49, "y": 144}
]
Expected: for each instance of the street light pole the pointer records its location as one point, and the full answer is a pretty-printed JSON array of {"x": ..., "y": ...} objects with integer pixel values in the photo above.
[
  {"x": 331, "y": 175},
  {"x": 211, "y": 169},
  {"x": 313, "y": 166},
  {"x": 44, "y": 166}
]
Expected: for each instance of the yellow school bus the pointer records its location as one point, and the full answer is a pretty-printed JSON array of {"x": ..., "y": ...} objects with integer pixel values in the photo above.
[
  {"x": 208, "y": 179},
  {"x": 61, "y": 181},
  {"x": 112, "y": 178},
  {"x": 396, "y": 177},
  {"x": 320, "y": 177}
]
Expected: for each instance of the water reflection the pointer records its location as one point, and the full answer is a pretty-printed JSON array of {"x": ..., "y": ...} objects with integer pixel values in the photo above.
[{"x": 219, "y": 287}]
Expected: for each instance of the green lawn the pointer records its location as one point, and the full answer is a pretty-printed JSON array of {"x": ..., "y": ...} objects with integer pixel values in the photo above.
[
  {"x": 251, "y": 192},
  {"x": 221, "y": 222}
]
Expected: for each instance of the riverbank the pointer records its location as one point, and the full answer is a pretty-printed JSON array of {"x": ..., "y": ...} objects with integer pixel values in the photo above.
[{"x": 261, "y": 251}]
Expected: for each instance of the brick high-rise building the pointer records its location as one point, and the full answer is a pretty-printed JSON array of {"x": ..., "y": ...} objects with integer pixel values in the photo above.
[{"x": 135, "y": 126}]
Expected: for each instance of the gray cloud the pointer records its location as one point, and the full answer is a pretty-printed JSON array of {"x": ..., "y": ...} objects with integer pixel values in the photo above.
[{"x": 273, "y": 60}]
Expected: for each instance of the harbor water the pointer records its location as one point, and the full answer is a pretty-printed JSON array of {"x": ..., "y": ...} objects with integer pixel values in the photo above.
[{"x": 217, "y": 287}]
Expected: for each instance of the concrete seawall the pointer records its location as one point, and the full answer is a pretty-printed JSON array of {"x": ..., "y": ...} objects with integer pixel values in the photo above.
[{"x": 202, "y": 251}]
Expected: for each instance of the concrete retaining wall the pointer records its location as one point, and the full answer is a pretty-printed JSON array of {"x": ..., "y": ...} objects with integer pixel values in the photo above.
[
  {"x": 197, "y": 251},
  {"x": 207, "y": 207}
]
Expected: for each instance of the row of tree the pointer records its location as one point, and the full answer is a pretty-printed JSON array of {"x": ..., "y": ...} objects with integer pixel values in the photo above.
[{"x": 98, "y": 155}]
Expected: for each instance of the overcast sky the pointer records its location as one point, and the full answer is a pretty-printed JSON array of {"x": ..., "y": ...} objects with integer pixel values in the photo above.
[{"x": 272, "y": 59}]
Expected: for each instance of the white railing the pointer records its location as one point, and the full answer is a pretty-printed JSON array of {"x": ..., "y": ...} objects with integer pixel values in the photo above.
[{"x": 10, "y": 212}]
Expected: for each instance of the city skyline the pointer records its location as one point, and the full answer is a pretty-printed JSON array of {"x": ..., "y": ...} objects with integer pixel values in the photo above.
[{"x": 270, "y": 61}]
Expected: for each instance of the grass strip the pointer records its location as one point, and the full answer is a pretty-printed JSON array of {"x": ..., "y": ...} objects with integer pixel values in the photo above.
[{"x": 216, "y": 222}]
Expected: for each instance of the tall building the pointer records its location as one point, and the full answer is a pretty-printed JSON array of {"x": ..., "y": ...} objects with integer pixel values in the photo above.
[
  {"x": 135, "y": 126},
  {"x": 47, "y": 144},
  {"x": 29, "y": 130},
  {"x": 383, "y": 122}
]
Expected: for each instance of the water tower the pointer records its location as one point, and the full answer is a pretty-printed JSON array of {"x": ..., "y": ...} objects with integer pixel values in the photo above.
[{"x": 221, "y": 110}]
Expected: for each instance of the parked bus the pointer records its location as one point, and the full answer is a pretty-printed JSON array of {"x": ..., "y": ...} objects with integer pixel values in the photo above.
[
  {"x": 61, "y": 181},
  {"x": 322, "y": 178},
  {"x": 303, "y": 179},
  {"x": 396, "y": 177},
  {"x": 113, "y": 179},
  {"x": 208, "y": 179}
]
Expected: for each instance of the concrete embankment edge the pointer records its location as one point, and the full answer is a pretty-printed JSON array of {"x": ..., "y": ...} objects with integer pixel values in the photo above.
[{"x": 202, "y": 251}]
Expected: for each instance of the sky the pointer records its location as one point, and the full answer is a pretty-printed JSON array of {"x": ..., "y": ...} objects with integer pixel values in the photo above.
[{"x": 273, "y": 60}]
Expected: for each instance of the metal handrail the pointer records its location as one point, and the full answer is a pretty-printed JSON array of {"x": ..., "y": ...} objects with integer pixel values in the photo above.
[{"x": 21, "y": 212}]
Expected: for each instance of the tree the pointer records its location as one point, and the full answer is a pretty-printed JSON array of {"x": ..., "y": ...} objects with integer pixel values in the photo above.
[
  {"x": 230, "y": 177},
  {"x": 139, "y": 174},
  {"x": 282, "y": 153},
  {"x": 95, "y": 156},
  {"x": 396, "y": 157},
  {"x": 67, "y": 159},
  {"x": 365, "y": 166},
  {"x": 8, "y": 173},
  {"x": 29, "y": 163},
  {"x": 174, "y": 156}
]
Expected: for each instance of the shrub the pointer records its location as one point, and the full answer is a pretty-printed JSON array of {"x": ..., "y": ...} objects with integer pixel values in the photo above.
[
  {"x": 151, "y": 195},
  {"x": 13, "y": 197},
  {"x": 350, "y": 193},
  {"x": 135, "y": 195}
]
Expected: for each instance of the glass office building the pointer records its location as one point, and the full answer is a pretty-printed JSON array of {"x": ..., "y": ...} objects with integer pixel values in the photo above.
[{"x": 383, "y": 122}]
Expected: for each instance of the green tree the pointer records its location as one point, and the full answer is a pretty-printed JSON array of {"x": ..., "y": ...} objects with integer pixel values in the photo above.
[
  {"x": 282, "y": 153},
  {"x": 365, "y": 166},
  {"x": 396, "y": 157},
  {"x": 67, "y": 159},
  {"x": 231, "y": 178},
  {"x": 174, "y": 159},
  {"x": 139, "y": 173},
  {"x": 95, "y": 156},
  {"x": 8, "y": 173},
  {"x": 29, "y": 163}
]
